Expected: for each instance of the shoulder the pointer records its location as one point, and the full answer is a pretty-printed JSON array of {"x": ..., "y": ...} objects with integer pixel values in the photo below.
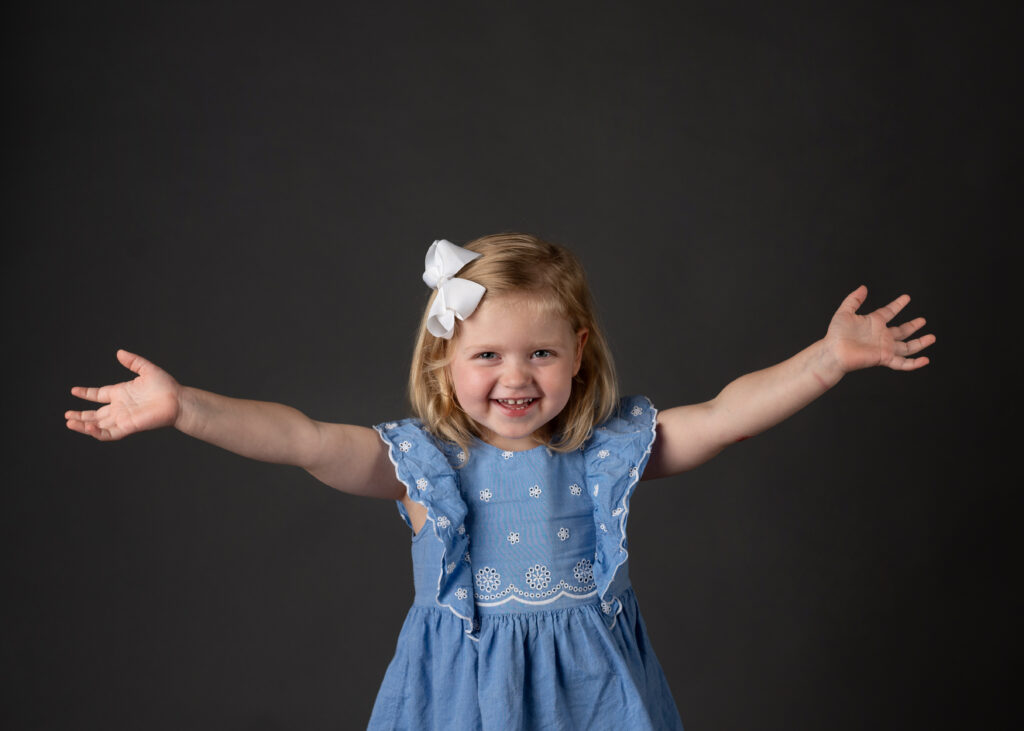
[
  {"x": 408, "y": 439},
  {"x": 634, "y": 414},
  {"x": 626, "y": 435}
]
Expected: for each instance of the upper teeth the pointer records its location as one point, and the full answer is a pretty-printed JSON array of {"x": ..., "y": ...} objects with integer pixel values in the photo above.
[{"x": 515, "y": 400}]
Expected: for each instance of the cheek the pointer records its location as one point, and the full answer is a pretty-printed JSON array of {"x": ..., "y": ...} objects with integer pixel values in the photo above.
[
  {"x": 560, "y": 384},
  {"x": 468, "y": 384}
]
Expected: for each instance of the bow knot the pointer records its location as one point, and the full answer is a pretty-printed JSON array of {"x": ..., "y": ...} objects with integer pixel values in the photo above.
[{"x": 456, "y": 298}]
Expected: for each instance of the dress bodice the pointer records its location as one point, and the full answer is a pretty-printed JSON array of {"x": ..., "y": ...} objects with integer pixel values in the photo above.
[
  {"x": 523, "y": 531},
  {"x": 531, "y": 531}
]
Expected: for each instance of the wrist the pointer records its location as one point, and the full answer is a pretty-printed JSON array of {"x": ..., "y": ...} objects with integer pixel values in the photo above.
[
  {"x": 185, "y": 419},
  {"x": 825, "y": 365}
]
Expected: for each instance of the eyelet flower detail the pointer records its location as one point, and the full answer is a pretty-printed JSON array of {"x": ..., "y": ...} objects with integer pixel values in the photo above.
[
  {"x": 422, "y": 483},
  {"x": 466, "y": 558},
  {"x": 461, "y": 456},
  {"x": 461, "y": 530},
  {"x": 535, "y": 491},
  {"x": 449, "y": 568},
  {"x": 575, "y": 489},
  {"x": 443, "y": 522},
  {"x": 538, "y": 577},
  {"x": 563, "y": 534},
  {"x": 391, "y": 425},
  {"x": 405, "y": 446},
  {"x": 617, "y": 511},
  {"x": 596, "y": 488},
  {"x": 583, "y": 571},
  {"x": 486, "y": 495},
  {"x": 461, "y": 593},
  {"x": 606, "y": 607},
  {"x": 507, "y": 454},
  {"x": 488, "y": 580},
  {"x": 603, "y": 528},
  {"x": 603, "y": 453},
  {"x": 513, "y": 537},
  {"x": 636, "y": 411},
  {"x": 633, "y": 471}
]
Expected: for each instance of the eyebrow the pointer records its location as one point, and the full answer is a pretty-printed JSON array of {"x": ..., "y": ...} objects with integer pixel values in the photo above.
[{"x": 487, "y": 347}]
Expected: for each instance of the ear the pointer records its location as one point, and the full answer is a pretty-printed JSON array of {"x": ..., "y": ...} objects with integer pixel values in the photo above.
[{"x": 581, "y": 340}]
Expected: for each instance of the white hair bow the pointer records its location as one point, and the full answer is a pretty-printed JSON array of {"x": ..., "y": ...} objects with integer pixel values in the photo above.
[{"x": 455, "y": 297}]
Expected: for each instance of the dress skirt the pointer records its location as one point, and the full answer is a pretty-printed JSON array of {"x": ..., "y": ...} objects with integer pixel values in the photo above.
[{"x": 558, "y": 669}]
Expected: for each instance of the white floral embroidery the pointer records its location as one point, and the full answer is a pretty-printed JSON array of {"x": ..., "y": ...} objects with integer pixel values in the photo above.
[
  {"x": 636, "y": 411},
  {"x": 507, "y": 454},
  {"x": 535, "y": 491},
  {"x": 443, "y": 522},
  {"x": 461, "y": 593},
  {"x": 603, "y": 453},
  {"x": 513, "y": 537},
  {"x": 488, "y": 580},
  {"x": 466, "y": 558},
  {"x": 583, "y": 571},
  {"x": 596, "y": 488},
  {"x": 461, "y": 456},
  {"x": 391, "y": 425},
  {"x": 633, "y": 471},
  {"x": 538, "y": 576},
  {"x": 449, "y": 568},
  {"x": 603, "y": 528},
  {"x": 606, "y": 607},
  {"x": 405, "y": 446},
  {"x": 575, "y": 489},
  {"x": 462, "y": 529},
  {"x": 422, "y": 483},
  {"x": 513, "y": 590},
  {"x": 486, "y": 495},
  {"x": 617, "y": 511},
  {"x": 563, "y": 534}
]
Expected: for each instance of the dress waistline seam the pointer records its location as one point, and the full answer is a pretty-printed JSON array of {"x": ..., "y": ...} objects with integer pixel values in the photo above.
[{"x": 592, "y": 602}]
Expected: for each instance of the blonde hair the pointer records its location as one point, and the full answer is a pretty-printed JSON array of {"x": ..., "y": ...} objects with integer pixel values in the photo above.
[{"x": 515, "y": 263}]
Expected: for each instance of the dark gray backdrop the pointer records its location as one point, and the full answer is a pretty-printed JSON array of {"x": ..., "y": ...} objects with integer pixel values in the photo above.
[{"x": 244, "y": 195}]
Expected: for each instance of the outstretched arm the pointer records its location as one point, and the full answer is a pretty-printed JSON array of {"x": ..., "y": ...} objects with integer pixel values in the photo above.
[
  {"x": 349, "y": 458},
  {"x": 690, "y": 435}
]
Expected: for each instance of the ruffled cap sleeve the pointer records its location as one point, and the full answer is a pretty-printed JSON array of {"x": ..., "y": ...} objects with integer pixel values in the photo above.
[
  {"x": 615, "y": 458},
  {"x": 432, "y": 482}
]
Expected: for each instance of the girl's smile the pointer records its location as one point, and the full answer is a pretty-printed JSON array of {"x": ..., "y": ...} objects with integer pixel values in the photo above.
[{"x": 512, "y": 369}]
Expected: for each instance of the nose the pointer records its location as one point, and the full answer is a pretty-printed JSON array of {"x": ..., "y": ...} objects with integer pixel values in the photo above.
[{"x": 516, "y": 374}]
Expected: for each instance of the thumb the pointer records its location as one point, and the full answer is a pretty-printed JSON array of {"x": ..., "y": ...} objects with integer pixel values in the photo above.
[{"x": 135, "y": 363}]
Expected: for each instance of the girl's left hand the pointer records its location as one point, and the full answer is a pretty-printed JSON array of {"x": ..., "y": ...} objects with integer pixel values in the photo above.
[{"x": 863, "y": 341}]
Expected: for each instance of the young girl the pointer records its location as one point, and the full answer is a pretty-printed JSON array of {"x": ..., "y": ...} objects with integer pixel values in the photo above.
[{"x": 515, "y": 477}]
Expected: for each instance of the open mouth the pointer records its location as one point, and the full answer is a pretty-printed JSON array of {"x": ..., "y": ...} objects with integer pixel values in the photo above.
[{"x": 515, "y": 404}]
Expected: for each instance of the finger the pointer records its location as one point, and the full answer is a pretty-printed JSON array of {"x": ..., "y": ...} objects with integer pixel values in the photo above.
[
  {"x": 893, "y": 308},
  {"x": 89, "y": 417},
  {"x": 914, "y": 346},
  {"x": 854, "y": 300},
  {"x": 99, "y": 394},
  {"x": 135, "y": 363},
  {"x": 89, "y": 429},
  {"x": 902, "y": 332},
  {"x": 910, "y": 364}
]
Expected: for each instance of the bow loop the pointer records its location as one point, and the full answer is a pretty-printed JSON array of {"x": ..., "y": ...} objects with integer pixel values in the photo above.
[{"x": 455, "y": 297}]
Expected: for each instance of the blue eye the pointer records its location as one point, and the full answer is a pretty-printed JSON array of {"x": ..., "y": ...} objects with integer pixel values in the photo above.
[
  {"x": 487, "y": 356},
  {"x": 542, "y": 354}
]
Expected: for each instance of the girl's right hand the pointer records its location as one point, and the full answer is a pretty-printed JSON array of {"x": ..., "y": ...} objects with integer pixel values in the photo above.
[{"x": 149, "y": 401}]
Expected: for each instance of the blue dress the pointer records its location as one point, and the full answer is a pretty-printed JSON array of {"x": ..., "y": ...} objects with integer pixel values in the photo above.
[{"x": 524, "y": 617}]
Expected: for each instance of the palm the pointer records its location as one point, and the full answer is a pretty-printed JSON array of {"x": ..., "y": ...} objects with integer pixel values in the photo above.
[
  {"x": 148, "y": 401},
  {"x": 863, "y": 341}
]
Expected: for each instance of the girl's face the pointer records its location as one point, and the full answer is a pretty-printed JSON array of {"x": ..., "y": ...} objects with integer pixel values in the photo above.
[{"x": 512, "y": 369}]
